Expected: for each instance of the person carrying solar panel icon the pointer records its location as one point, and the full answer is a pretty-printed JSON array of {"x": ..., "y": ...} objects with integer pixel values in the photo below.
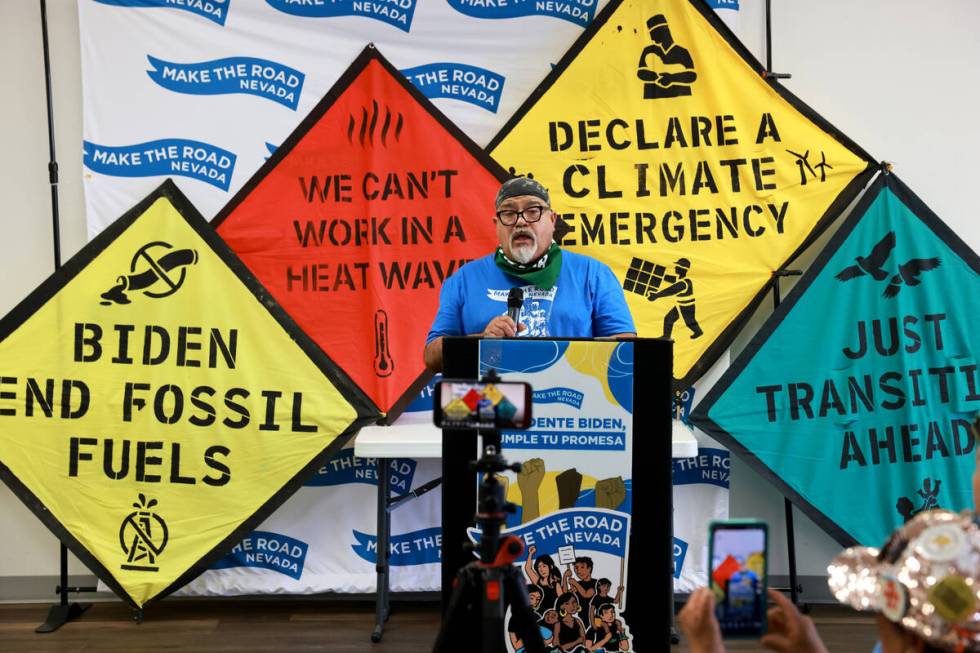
[{"x": 683, "y": 289}]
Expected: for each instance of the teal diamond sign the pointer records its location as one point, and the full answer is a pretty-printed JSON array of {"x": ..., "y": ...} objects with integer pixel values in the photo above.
[{"x": 856, "y": 396}]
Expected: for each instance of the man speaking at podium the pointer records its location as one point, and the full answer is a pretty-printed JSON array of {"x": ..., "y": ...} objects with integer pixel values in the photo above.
[{"x": 565, "y": 295}]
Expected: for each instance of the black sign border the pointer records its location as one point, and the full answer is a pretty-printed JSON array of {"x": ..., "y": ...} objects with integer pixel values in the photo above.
[
  {"x": 368, "y": 54},
  {"x": 843, "y": 200},
  {"x": 367, "y": 412},
  {"x": 700, "y": 415}
]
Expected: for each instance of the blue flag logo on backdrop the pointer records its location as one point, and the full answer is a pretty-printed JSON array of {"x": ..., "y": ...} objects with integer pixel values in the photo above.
[
  {"x": 558, "y": 395},
  {"x": 579, "y": 12},
  {"x": 857, "y": 394},
  {"x": 420, "y": 547},
  {"x": 346, "y": 468},
  {"x": 394, "y": 12},
  {"x": 214, "y": 10},
  {"x": 710, "y": 467},
  {"x": 423, "y": 401},
  {"x": 248, "y": 75},
  {"x": 165, "y": 157},
  {"x": 457, "y": 81},
  {"x": 588, "y": 529},
  {"x": 680, "y": 552},
  {"x": 265, "y": 550}
]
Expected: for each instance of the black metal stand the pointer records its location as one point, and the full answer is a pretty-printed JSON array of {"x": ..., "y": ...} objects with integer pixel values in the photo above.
[
  {"x": 768, "y": 72},
  {"x": 794, "y": 589},
  {"x": 485, "y": 588},
  {"x": 387, "y": 503},
  {"x": 675, "y": 637},
  {"x": 64, "y": 611}
]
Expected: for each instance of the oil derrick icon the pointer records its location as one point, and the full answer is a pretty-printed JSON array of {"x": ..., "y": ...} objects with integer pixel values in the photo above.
[
  {"x": 143, "y": 536},
  {"x": 654, "y": 281}
]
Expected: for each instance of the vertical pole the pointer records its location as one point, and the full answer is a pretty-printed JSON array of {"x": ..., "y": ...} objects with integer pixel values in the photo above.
[
  {"x": 55, "y": 225},
  {"x": 381, "y": 559},
  {"x": 767, "y": 73},
  {"x": 63, "y": 611},
  {"x": 769, "y": 36},
  {"x": 53, "y": 161},
  {"x": 63, "y": 587},
  {"x": 787, "y": 506}
]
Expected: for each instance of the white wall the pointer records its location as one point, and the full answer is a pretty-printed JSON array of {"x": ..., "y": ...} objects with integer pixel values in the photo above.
[
  {"x": 898, "y": 76},
  {"x": 26, "y": 251}
]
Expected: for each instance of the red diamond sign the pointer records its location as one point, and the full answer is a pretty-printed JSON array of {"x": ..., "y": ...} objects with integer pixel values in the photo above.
[{"x": 357, "y": 219}]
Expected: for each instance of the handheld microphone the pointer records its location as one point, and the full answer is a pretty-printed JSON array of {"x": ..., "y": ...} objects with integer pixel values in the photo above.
[{"x": 515, "y": 299}]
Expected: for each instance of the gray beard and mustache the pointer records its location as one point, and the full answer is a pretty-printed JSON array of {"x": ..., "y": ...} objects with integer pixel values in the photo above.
[{"x": 523, "y": 253}]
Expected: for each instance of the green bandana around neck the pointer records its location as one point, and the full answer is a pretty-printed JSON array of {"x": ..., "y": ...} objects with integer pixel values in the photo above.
[{"x": 542, "y": 273}]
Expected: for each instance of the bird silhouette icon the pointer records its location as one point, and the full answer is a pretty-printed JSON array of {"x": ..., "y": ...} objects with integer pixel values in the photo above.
[
  {"x": 908, "y": 274},
  {"x": 871, "y": 264}
]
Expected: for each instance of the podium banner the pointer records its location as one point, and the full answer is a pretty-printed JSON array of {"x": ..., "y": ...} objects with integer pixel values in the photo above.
[{"x": 574, "y": 492}]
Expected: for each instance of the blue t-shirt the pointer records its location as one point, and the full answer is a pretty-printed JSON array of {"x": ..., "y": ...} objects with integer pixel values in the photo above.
[{"x": 586, "y": 302}]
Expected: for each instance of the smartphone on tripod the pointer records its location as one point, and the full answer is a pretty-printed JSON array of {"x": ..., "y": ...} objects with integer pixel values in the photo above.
[
  {"x": 470, "y": 405},
  {"x": 487, "y": 587}
]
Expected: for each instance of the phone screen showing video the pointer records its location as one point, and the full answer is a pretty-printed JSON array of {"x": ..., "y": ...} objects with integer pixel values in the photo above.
[
  {"x": 738, "y": 579},
  {"x": 471, "y": 405}
]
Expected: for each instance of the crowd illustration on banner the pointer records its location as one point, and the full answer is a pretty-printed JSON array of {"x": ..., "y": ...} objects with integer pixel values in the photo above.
[{"x": 574, "y": 608}]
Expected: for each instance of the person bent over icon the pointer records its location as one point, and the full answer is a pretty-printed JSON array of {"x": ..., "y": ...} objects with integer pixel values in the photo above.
[{"x": 683, "y": 290}]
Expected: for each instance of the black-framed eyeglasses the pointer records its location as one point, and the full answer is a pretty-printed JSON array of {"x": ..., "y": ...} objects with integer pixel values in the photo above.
[{"x": 508, "y": 217}]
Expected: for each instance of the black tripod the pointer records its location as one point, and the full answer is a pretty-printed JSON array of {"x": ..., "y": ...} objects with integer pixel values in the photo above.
[{"x": 484, "y": 588}]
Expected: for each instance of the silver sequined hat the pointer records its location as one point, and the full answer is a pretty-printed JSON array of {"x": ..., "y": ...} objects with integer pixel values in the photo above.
[{"x": 926, "y": 579}]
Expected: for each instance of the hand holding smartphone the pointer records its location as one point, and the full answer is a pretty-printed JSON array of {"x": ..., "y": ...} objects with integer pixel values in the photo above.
[{"x": 738, "y": 553}]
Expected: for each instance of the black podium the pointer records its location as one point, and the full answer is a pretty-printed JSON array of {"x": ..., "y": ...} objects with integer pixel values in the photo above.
[{"x": 650, "y": 570}]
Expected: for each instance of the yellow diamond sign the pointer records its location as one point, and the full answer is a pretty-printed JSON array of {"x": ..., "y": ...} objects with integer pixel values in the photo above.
[
  {"x": 670, "y": 157},
  {"x": 156, "y": 403}
]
